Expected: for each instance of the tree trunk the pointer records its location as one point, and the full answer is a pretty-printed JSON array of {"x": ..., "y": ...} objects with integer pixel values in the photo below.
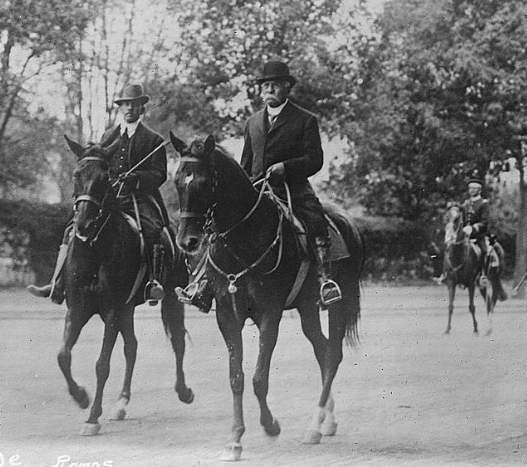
[{"x": 520, "y": 267}]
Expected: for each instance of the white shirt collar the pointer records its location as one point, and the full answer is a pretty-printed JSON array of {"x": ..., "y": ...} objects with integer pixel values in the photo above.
[
  {"x": 475, "y": 198},
  {"x": 130, "y": 127},
  {"x": 274, "y": 111}
]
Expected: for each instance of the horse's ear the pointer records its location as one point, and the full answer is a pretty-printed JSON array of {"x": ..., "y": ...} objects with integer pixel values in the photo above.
[
  {"x": 210, "y": 144},
  {"x": 111, "y": 137},
  {"x": 76, "y": 148},
  {"x": 178, "y": 144}
]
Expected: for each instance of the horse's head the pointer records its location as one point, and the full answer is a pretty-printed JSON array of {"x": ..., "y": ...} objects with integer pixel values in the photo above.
[
  {"x": 454, "y": 223},
  {"x": 195, "y": 183},
  {"x": 91, "y": 185}
]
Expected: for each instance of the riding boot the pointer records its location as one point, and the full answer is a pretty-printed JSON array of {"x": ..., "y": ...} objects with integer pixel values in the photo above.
[
  {"x": 440, "y": 279},
  {"x": 329, "y": 289},
  {"x": 196, "y": 293},
  {"x": 55, "y": 289},
  {"x": 154, "y": 290}
]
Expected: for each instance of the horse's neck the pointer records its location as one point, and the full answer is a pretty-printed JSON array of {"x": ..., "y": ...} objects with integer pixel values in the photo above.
[{"x": 235, "y": 198}]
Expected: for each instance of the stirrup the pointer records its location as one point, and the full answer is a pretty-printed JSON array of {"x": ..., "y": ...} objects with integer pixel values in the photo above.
[
  {"x": 154, "y": 292},
  {"x": 330, "y": 292}
]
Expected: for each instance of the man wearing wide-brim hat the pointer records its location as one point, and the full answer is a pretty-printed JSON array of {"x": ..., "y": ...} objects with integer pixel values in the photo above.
[
  {"x": 282, "y": 142},
  {"x": 135, "y": 140}
]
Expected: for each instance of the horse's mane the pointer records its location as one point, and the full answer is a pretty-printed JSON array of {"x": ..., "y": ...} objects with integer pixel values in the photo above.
[{"x": 225, "y": 157}]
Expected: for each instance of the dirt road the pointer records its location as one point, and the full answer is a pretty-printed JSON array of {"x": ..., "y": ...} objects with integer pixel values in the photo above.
[{"x": 408, "y": 396}]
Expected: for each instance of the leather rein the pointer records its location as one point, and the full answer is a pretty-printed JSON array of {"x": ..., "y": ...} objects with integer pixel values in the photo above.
[{"x": 214, "y": 235}]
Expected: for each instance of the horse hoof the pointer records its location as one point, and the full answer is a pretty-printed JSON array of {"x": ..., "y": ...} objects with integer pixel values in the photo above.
[
  {"x": 186, "y": 396},
  {"x": 312, "y": 437},
  {"x": 81, "y": 398},
  {"x": 232, "y": 452},
  {"x": 329, "y": 428},
  {"x": 90, "y": 429},
  {"x": 117, "y": 413},
  {"x": 273, "y": 429}
]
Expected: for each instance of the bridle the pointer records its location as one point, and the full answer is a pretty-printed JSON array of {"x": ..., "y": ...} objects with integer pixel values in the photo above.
[
  {"x": 103, "y": 214},
  {"x": 214, "y": 235}
]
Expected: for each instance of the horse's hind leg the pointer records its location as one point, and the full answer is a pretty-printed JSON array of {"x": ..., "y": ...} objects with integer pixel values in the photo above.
[
  {"x": 72, "y": 328},
  {"x": 472, "y": 307},
  {"x": 312, "y": 328},
  {"x": 268, "y": 328},
  {"x": 173, "y": 316},
  {"x": 118, "y": 411},
  {"x": 102, "y": 370},
  {"x": 451, "y": 298}
]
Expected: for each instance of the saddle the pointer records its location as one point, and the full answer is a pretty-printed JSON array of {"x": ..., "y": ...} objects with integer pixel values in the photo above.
[
  {"x": 167, "y": 241},
  {"x": 338, "y": 249}
]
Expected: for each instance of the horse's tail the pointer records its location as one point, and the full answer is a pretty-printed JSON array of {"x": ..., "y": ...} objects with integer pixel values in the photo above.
[{"x": 349, "y": 272}]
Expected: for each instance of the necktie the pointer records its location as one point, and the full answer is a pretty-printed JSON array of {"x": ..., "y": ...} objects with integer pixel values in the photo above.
[
  {"x": 124, "y": 137},
  {"x": 272, "y": 119}
]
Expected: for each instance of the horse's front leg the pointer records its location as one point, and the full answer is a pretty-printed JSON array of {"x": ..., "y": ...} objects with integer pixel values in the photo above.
[
  {"x": 126, "y": 325},
  {"x": 231, "y": 330},
  {"x": 268, "y": 335},
  {"x": 451, "y": 298},
  {"x": 471, "y": 306},
  {"x": 173, "y": 316},
  {"x": 72, "y": 328},
  {"x": 102, "y": 370}
]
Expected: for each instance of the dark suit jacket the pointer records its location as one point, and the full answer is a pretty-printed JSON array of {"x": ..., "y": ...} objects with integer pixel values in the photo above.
[
  {"x": 153, "y": 172},
  {"x": 477, "y": 215},
  {"x": 294, "y": 140}
]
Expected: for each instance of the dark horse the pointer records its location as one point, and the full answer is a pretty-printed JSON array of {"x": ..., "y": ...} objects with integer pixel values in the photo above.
[
  {"x": 252, "y": 267},
  {"x": 462, "y": 267},
  {"x": 102, "y": 266}
]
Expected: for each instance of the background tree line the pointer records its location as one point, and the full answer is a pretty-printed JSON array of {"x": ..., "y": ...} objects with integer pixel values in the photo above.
[{"x": 421, "y": 94}]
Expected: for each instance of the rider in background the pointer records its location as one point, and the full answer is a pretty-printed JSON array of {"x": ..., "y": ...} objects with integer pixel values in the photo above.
[
  {"x": 476, "y": 215},
  {"x": 136, "y": 140},
  {"x": 476, "y": 210}
]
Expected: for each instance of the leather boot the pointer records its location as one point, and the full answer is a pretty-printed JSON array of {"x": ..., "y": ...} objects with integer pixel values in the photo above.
[
  {"x": 154, "y": 291},
  {"x": 55, "y": 289},
  {"x": 196, "y": 293},
  {"x": 329, "y": 289}
]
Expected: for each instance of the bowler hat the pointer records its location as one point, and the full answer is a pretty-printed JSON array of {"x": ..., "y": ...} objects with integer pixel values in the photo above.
[
  {"x": 132, "y": 92},
  {"x": 276, "y": 70}
]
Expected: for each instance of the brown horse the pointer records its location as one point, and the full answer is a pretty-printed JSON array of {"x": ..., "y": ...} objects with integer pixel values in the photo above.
[
  {"x": 101, "y": 277},
  {"x": 252, "y": 266},
  {"x": 462, "y": 267}
]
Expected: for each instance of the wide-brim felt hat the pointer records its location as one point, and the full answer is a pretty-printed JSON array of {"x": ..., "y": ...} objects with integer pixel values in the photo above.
[
  {"x": 475, "y": 180},
  {"x": 276, "y": 70},
  {"x": 132, "y": 92}
]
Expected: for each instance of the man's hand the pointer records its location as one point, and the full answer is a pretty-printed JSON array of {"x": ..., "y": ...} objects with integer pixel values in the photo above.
[
  {"x": 276, "y": 173},
  {"x": 468, "y": 230},
  {"x": 129, "y": 179}
]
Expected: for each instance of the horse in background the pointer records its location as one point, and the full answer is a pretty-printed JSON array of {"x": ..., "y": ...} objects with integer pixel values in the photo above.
[
  {"x": 462, "y": 267},
  {"x": 104, "y": 275},
  {"x": 252, "y": 265}
]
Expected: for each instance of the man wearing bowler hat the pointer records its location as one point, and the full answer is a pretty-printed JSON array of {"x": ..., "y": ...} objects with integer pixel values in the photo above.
[
  {"x": 140, "y": 186},
  {"x": 282, "y": 141}
]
